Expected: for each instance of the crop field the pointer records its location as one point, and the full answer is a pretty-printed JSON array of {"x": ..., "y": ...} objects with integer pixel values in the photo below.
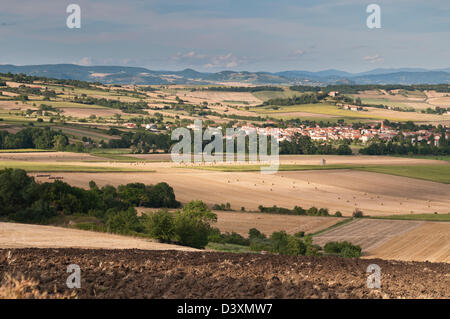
[
  {"x": 242, "y": 222},
  {"x": 14, "y": 235},
  {"x": 338, "y": 190},
  {"x": 435, "y": 173},
  {"x": 430, "y": 241},
  {"x": 333, "y": 111},
  {"x": 179, "y": 274},
  {"x": 395, "y": 239}
]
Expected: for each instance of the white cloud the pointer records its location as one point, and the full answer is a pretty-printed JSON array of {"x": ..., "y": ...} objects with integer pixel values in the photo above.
[
  {"x": 86, "y": 61},
  {"x": 373, "y": 58}
]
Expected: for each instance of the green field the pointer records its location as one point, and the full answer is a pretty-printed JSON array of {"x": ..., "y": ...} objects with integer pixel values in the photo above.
[
  {"x": 229, "y": 248},
  {"x": 430, "y": 157},
  {"x": 117, "y": 157},
  {"x": 63, "y": 104},
  {"x": 435, "y": 173},
  {"x": 425, "y": 217},
  {"x": 319, "y": 108},
  {"x": 269, "y": 95}
]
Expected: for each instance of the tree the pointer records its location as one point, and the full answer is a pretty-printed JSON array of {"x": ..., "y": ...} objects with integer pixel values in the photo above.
[
  {"x": 279, "y": 242},
  {"x": 161, "y": 225},
  {"x": 357, "y": 213},
  {"x": 193, "y": 224},
  {"x": 123, "y": 222}
]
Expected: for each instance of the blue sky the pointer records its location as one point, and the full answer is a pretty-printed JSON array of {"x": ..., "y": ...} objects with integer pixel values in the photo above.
[{"x": 212, "y": 35}]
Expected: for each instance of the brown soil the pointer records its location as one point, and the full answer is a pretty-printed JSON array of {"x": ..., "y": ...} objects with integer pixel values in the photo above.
[{"x": 173, "y": 274}]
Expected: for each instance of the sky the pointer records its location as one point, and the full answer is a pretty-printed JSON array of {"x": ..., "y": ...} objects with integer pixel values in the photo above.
[{"x": 216, "y": 35}]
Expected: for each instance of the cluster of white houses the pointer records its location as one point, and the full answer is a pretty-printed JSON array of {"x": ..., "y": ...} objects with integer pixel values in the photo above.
[
  {"x": 324, "y": 134},
  {"x": 341, "y": 132}
]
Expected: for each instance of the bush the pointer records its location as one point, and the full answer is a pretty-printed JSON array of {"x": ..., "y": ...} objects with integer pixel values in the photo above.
[
  {"x": 123, "y": 222},
  {"x": 338, "y": 214},
  {"x": 193, "y": 224},
  {"x": 344, "y": 249},
  {"x": 279, "y": 242},
  {"x": 223, "y": 207},
  {"x": 295, "y": 246},
  {"x": 357, "y": 213},
  {"x": 260, "y": 244},
  {"x": 191, "y": 231},
  {"x": 161, "y": 225},
  {"x": 255, "y": 234}
]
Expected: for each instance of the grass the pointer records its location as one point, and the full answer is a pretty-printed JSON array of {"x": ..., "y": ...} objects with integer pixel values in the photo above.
[
  {"x": 118, "y": 157},
  {"x": 338, "y": 224},
  {"x": 325, "y": 109},
  {"x": 425, "y": 217},
  {"x": 46, "y": 167},
  {"x": 62, "y": 104},
  {"x": 430, "y": 157},
  {"x": 268, "y": 95},
  {"x": 229, "y": 248},
  {"x": 435, "y": 173}
]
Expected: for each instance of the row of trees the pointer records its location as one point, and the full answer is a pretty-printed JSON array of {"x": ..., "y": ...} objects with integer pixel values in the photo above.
[
  {"x": 355, "y": 88},
  {"x": 36, "y": 138},
  {"x": 126, "y": 107},
  {"x": 307, "y": 98},
  {"x": 406, "y": 148},
  {"x": 141, "y": 142},
  {"x": 301, "y": 144},
  {"x": 23, "y": 199},
  {"x": 251, "y": 89}
]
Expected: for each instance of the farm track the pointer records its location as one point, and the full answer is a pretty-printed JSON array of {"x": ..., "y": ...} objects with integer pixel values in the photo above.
[{"x": 173, "y": 274}]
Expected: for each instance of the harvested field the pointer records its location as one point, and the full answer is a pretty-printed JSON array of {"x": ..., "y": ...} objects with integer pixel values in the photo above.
[
  {"x": 395, "y": 239},
  {"x": 429, "y": 241},
  {"x": 35, "y": 236},
  {"x": 86, "y": 112},
  {"x": 344, "y": 190},
  {"x": 241, "y": 223},
  {"x": 175, "y": 274},
  {"x": 367, "y": 233},
  {"x": 48, "y": 157}
]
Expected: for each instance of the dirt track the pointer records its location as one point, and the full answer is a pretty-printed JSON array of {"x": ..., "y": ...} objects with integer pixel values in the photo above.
[{"x": 172, "y": 274}]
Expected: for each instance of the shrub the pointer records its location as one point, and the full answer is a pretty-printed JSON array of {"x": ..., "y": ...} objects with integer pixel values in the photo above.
[
  {"x": 295, "y": 246},
  {"x": 161, "y": 225},
  {"x": 357, "y": 213},
  {"x": 344, "y": 249},
  {"x": 300, "y": 234},
  {"x": 255, "y": 234},
  {"x": 338, "y": 214},
  {"x": 124, "y": 222},
  {"x": 260, "y": 244},
  {"x": 279, "y": 242},
  {"x": 191, "y": 231},
  {"x": 193, "y": 224}
]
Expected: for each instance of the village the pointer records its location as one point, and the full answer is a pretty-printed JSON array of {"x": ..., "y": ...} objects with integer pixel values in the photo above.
[{"x": 336, "y": 133}]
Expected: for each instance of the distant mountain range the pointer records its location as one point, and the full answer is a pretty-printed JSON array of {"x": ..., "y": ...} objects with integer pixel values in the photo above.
[{"x": 136, "y": 75}]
